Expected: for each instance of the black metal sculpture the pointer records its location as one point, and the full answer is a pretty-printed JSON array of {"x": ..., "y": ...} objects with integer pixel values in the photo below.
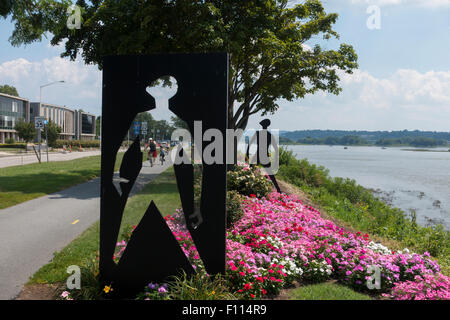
[
  {"x": 264, "y": 140},
  {"x": 153, "y": 253}
]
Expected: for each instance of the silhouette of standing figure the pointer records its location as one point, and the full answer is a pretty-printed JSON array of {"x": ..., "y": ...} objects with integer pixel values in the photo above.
[{"x": 263, "y": 142}]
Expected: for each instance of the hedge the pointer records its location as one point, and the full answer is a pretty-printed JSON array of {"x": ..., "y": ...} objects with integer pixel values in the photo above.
[
  {"x": 13, "y": 145},
  {"x": 77, "y": 143}
]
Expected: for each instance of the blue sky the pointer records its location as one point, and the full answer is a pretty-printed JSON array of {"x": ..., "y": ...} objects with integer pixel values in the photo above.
[{"x": 403, "y": 80}]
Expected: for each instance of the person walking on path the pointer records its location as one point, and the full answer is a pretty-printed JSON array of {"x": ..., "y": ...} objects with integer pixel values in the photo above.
[
  {"x": 152, "y": 151},
  {"x": 162, "y": 154}
]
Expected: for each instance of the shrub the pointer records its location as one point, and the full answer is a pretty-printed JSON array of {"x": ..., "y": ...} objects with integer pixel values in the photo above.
[
  {"x": 13, "y": 145},
  {"x": 286, "y": 157},
  {"x": 25, "y": 130},
  {"x": 234, "y": 208},
  {"x": 348, "y": 188},
  {"x": 53, "y": 132},
  {"x": 76, "y": 143},
  {"x": 10, "y": 141},
  {"x": 91, "y": 288},
  {"x": 199, "y": 286},
  {"x": 302, "y": 173},
  {"x": 248, "y": 181}
]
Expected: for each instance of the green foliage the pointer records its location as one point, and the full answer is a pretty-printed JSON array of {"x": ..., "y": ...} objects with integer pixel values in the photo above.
[
  {"x": 91, "y": 287},
  {"x": 25, "y": 130},
  {"x": 165, "y": 129},
  {"x": 301, "y": 172},
  {"x": 12, "y": 91},
  {"x": 348, "y": 140},
  {"x": 98, "y": 123},
  {"x": 349, "y": 189},
  {"x": 352, "y": 203},
  {"x": 414, "y": 142},
  {"x": 285, "y": 157},
  {"x": 284, "y": 140},
  {"x": 199, "y": 287},
  {"x": 178, "y": 123},
  {"x": 53, "y": 132},
  {"x": 234, "y": 208},
  {"x": 265, "y": 39},
  {"x": 13, "y": 145},
  {"x": 370, "y": 136},
  {"x": 326, "y": 291},
  {"x": 76, "y": 143},
  {"x": 10, "y": 141},
  {"x": 248, "y": 181}
]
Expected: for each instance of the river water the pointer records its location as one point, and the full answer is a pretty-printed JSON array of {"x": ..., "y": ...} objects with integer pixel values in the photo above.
[{"x": 409, "y": 180}]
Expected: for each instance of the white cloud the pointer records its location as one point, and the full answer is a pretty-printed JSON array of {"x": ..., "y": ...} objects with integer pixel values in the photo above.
[
  {"x": 82, "y": 87},
  {"x": 407, "y": 99},
  {"x": 404, "y": 88}
]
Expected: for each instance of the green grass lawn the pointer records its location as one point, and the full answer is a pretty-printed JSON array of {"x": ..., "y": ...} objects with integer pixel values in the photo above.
[
  {"x": 326, "y": 291},
  {"x": 163, "y": 190},
  {"x": 22, "y": 183}
]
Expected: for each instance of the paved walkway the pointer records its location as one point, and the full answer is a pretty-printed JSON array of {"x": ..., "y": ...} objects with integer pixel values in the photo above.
[
  {"x": 32, "y": 231},
  {"x": 30, "y": 157}
]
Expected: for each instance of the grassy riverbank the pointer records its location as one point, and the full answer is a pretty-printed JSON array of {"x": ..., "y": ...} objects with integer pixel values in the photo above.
[{"x": 358, "y": 208}]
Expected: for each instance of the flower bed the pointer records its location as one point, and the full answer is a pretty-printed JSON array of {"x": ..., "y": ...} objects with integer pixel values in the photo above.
[{"x": 280, "y": 240}]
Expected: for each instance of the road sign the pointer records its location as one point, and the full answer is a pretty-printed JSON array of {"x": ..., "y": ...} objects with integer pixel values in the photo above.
[
  {"x": 39, "y": 122},
  {"x": 137, "y": 127},
  {"x": 144, "y": 128}
]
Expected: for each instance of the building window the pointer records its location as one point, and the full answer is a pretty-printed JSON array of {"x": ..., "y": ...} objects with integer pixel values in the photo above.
[
  {"x": 15, "y": 107},
  {"x": 87, "y": 124}
]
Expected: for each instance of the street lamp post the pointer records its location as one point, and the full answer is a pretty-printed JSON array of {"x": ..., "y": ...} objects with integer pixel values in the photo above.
[{"x": 40, "y": 105}]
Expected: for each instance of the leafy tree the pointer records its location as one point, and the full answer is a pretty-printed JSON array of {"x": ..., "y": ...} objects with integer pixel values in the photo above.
[
  {"x": 53, "y": 132},
  {"x": 6, "y": 7},
  {"x": 163, "y": 130},
  {"x": 25, "y": 130},
  {"x": 12, "y": 91},
  {"x": 178, "y": 123},
  {"x": 266, "y": 40}
]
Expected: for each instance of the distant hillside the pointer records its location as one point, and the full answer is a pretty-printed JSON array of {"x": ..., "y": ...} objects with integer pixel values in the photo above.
[{"x": 369, "y": 136}]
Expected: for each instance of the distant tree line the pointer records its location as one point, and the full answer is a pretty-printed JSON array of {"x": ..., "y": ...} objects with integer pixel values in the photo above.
[
  {"x": 157, "y": 129},
  {"x": 414, "y": 142},
  {"x": 353, "y": 140},
  {"x": 369, "y": 136},
  {"x": 343, "y": 141}
]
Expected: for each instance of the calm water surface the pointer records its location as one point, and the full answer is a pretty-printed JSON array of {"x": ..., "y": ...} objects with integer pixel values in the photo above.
[{"x": 410, "y": 180}]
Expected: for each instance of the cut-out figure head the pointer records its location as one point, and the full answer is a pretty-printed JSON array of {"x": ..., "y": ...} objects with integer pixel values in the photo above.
[{"x": 265, "y": 123}]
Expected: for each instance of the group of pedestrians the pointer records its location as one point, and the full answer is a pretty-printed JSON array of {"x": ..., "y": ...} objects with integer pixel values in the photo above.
[{"x": 152, "y": 147}]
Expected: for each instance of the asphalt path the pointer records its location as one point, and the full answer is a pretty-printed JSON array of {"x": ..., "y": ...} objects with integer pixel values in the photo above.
[{"x": 32, "y": 231}]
